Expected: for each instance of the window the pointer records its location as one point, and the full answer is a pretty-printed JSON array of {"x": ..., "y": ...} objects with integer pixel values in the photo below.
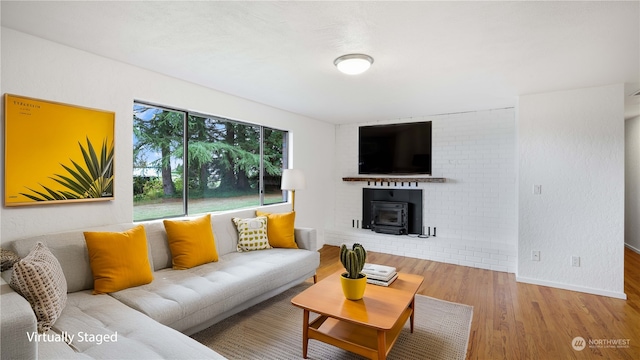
[{"x": 229, "y": 164}]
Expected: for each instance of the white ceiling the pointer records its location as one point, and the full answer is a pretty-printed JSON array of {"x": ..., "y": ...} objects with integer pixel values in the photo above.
[{"x": 430, "y": 57}]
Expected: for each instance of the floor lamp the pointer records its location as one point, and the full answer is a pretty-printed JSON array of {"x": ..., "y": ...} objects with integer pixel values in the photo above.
[{"x": 293, "y": 179}]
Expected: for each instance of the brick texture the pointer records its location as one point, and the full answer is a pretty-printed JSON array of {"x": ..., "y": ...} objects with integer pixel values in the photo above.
[{"x": 474, "y": 211}]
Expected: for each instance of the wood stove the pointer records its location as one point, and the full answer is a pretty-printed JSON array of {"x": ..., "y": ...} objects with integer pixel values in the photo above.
[
  {"x": 389, "y": 217},
  {"x": 412, "y": 198}
]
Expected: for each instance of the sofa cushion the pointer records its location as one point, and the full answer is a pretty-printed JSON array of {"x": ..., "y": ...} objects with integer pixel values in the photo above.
[
  {"x": 182, "y": 299},
  {"x": 226, "y": 231},
  {"x": 71, "y": 251},
  {"x": 252, "y": 233},
  {"x": 191, "y": 242},
  {"x": 159, "y": 249},
  {"x": 88, "y": 318},
  {"x": 38, "y": 277},
  {"x": 280, "y": 229},
  {"x": 119, "y": 260}
]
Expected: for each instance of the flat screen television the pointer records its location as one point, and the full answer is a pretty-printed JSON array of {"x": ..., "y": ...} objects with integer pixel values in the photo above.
[{"x": 400, "y": 149}]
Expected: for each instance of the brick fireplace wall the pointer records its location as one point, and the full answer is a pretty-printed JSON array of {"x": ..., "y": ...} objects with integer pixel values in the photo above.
[{"x": 474, "y": 211}]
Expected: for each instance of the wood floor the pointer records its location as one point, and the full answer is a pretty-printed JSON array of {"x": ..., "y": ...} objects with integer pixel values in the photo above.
[{"x": 514, "y": 320}]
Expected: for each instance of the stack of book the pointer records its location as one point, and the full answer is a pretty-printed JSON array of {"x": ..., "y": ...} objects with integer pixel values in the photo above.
[{"x": 380, "y": 274}]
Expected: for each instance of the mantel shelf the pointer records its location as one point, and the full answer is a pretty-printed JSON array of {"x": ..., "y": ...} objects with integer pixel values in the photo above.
[{"x": 396, "y": 179}]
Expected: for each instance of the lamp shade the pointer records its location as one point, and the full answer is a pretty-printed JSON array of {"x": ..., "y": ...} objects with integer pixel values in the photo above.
[{"x": 293, "y": 179}]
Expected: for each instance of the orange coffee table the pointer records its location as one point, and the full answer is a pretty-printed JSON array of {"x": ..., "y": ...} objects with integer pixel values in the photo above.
[{"x": 368, "y": 327}]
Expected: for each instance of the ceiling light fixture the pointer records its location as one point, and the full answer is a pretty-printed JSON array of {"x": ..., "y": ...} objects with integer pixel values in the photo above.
[{"x": 353, "y": 64}]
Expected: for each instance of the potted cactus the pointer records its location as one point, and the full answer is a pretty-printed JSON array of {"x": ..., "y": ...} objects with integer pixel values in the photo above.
[{"x": 353, "y": 281}]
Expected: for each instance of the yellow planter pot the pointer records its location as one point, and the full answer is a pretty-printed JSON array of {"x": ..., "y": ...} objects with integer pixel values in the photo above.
[{"x": 353, "y": 289}]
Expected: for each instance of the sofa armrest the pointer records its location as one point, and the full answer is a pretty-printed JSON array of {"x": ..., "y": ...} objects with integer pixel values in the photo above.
[
  {"x": 306, "y": 238},
  {"x": 16, "y": 321}
]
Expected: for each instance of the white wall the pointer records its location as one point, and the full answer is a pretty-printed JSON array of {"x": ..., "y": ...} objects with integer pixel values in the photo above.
[
  {"x": 474, "y": 211},
  {"x": 42, "y": 69},
  {"x": 632, "y": 184},
  {"x": 572, "y": 143}
]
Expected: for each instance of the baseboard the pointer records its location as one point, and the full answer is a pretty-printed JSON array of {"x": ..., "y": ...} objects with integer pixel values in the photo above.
[
  {"x": 634, "y": 249},
  {"x": 613, "y": 294}
]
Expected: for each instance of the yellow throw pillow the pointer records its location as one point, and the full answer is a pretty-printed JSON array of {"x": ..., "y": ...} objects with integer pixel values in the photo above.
[
  {"x": 119, "y": 260},
  {"x": 280, "y": 229},
  {"x": 191, "y": 242}
]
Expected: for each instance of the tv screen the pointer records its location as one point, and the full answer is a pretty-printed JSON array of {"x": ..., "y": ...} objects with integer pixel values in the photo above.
[{"x": 401, "y": 149}]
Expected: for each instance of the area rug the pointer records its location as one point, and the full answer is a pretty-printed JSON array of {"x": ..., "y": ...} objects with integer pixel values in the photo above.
[{"x": 273, "y": 330}]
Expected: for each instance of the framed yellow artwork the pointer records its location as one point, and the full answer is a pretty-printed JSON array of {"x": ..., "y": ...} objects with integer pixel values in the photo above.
[{"x": 57, "y": 153}]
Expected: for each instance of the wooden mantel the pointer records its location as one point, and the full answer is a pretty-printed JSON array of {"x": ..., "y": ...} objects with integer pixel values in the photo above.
[{"x": 396, "y": 179}]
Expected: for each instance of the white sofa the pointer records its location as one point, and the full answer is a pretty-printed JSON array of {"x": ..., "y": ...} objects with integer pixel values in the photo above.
[{"x": 151, "y": 321}]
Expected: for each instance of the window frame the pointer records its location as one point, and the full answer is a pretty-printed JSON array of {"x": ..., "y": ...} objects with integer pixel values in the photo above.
[{"x": 185, "y": 155}]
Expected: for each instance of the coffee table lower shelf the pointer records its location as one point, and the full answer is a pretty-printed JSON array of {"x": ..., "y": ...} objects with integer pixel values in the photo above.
[{"x": 359, "y": 339}]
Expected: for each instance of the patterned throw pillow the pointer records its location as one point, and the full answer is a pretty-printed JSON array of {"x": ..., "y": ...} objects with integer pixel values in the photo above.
[
  {"x": 252, "y": 233},
  {"x": 7, "y": 259},
  {"x": 39, "y": 279}
]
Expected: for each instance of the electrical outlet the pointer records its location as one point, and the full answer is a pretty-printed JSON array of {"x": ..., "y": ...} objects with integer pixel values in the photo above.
[
  {"x": 575, "y": 261},
  {"x": 535, "y": 255},
  {"x": 537, "y": 189}
]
